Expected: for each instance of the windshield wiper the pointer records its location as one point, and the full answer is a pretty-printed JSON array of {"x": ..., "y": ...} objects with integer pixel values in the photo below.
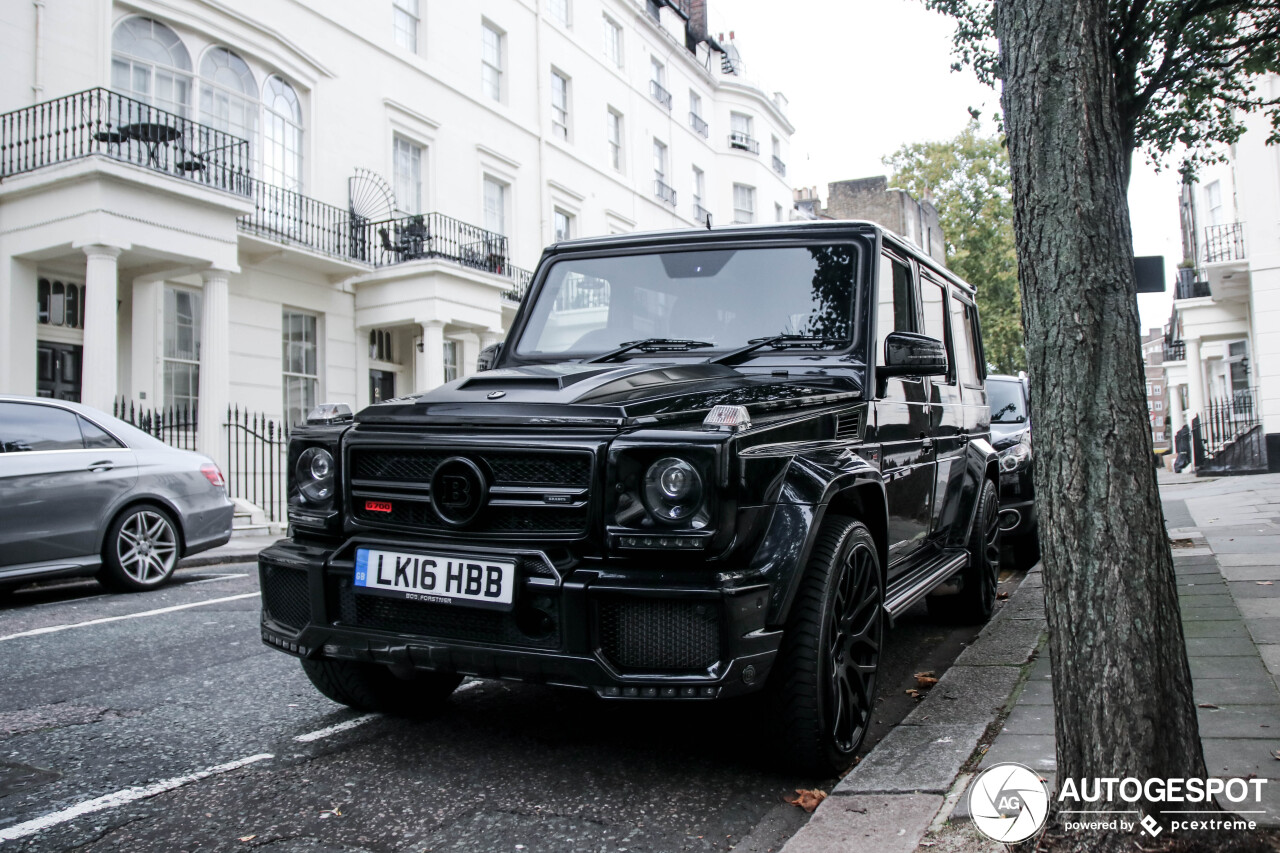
[
  {"x": 777, "y": 342},
  {"x": 650, "y": 345}
]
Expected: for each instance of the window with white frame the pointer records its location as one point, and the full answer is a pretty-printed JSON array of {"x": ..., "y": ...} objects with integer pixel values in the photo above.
[
  {"x": 559, "y": 11},
  {"x": 657, "y": 72},
  {"x": 560, "y": 105},
  {"x": 563, "y": 225},
  {"x": 660, "y": 160},
  {"x": 613, "y": 128},
  {"x": 182, "y": 349},
  {"x": 382, "y": 345},
  {"x": 229, "y": 94},
  {"x": 613, "y": 41},
  {"x": 406, "y": 19},
  {"x": 450, "y": 359},
  {"x": 744, "y": 203},
  {"x": 407, "y": 175},
  {"x": 495, "y": 205},
  {"x": 740, "y": 127},
  {"x": 1213, "y": 202},
  {"x": 491, "y": 39},
  {"x": 150, "y": 63},
  {"x": 301, "y": 364},
  {"x": 281, "y": 135},
  {"x": 699, "y": 192}
]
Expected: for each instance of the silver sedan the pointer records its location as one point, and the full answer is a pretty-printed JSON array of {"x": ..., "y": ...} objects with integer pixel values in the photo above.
[{"x": 83, "y": 493}]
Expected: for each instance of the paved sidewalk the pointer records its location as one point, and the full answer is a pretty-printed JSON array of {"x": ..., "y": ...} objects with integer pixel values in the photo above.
[{"x": 241, "y": 549}]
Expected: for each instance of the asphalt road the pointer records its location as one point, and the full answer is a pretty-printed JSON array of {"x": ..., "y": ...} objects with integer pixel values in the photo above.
[{"x": 159, "y": 721}]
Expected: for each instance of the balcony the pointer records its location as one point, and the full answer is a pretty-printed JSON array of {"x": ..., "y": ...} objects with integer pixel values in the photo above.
[
  {"x": 1175, "y": 350},
  {"x": 660, "y": 94},
  {"x": 1224, "y": 243},
  {"x": 520, "y": 279},
  {"x": 743, "y": 142},
  {"x": 99, "y": 122},
  {"x": 1226, "y": 263},
  {"x": 699, "y": 125},
  {"x": 779, "y": 166},
  {"x": 663, "y": 192},
  {"x": 1189, "y": 287},
  {"x": 700, "y": 213}
]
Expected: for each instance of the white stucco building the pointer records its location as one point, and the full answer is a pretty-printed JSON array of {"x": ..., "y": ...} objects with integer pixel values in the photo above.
[
  {"x": 273, "y": 203},
  {"x": 1222, "y": 351}
]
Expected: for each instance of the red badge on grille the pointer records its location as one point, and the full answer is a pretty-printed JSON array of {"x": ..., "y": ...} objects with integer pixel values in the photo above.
[{"x": 377, "y": 506}]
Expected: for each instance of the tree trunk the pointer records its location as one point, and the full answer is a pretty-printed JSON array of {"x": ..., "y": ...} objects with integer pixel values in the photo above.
[{"x": 1122, "y": 688}]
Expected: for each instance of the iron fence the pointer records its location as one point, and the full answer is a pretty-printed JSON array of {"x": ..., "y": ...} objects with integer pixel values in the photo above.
[
  {"x": 743, "y": 142},
  {"x": 434, "y": 235},
  {"x": 257, "y": 457},
  {"x": 660, "y": 94},
  {"x": 521, "y": 279},
  {"x": 1175, "y": 351},
  {"x": 102, "y": 122},
  {"x": 283, "y": 214},
  {"x": 1224, "y": 243},
  {"x": 1227, "y": 418},
  {"x": 174, "y": 425},
  {"x": 664, "y": 191}
]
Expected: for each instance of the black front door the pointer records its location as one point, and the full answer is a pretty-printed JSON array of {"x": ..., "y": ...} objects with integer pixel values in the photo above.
[
  {"x": 382, "y": 385},
  {"x": 58, "y": 370}
]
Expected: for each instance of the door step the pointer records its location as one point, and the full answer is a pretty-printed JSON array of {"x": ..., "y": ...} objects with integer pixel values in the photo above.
[{"x": 915, "y": 585}]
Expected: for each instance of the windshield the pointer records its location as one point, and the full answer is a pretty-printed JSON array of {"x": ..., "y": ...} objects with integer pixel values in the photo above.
[
  {"x": 1005, "y": 398},
  {"x": 724, "y": 298}
]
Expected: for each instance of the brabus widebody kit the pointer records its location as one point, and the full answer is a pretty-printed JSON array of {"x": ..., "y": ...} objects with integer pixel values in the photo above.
[{"x": 704, "y": 464}]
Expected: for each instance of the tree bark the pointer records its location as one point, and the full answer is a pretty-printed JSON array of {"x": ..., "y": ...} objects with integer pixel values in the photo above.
[{"x": 1123, "y": 705}]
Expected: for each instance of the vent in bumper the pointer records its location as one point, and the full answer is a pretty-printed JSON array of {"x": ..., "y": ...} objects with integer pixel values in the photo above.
[
  {"x": 653, "y": 634},
  {"x": 286, "y": 597}
]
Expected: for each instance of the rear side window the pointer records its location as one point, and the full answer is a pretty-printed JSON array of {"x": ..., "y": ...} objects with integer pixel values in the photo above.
[
  {"x": 95, "y": 436},
  {"x": 962, "y": 326},
  {"x": 934, "y": 307},
  {"x": 31, "y": 426}
]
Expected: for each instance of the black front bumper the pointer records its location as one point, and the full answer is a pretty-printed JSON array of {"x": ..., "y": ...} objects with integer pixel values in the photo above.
[{"x": 621, "y": 634}]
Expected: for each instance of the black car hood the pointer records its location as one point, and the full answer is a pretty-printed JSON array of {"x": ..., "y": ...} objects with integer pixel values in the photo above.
[
  {"x": 1007, "y": 435},
  {"x": 607, "y": 395}
]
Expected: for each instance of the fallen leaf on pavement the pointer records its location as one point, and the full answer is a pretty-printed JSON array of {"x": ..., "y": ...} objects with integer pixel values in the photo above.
[
  {"x": 925, "y": 679},
  {"x": 1276, "y": 755},
  {"x": 1002, "y": 596},
  {"x": 913, "y": 693},
  {"x": 807, "y": 799},
  {"x": 247, "y": 837}
]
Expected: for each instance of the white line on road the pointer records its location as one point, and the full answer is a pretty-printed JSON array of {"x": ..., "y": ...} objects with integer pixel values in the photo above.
[
  {"x": 348, "y": 725},
  {"x": 214, "y": 580},
  {"x": 120, "y": 798},
  {"x": 55, "y": 628}
]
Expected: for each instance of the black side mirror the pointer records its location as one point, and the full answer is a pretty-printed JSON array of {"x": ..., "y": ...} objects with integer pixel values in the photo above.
[
  {"x": 911, "y": 355},
  {"x": 488, "y": 357}
]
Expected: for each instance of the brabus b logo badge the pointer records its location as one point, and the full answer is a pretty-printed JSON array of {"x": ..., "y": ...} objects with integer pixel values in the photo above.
[{"x": 459, "y": 491}]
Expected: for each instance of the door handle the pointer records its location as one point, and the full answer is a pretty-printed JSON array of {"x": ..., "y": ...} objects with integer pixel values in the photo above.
[
  {"x": 964, "y": 438},
  {"x": 926, "y": 443},
  {"x": 102, "y": 465}
]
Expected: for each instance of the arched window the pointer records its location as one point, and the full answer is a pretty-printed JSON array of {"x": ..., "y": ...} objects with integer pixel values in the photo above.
[
  {"x": 150, "y": 63},
  {"x": 281, "y": 135},
  {"x": 228, "y": 94}
]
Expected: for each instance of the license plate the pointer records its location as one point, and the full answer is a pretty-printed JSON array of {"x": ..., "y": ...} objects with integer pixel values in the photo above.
[{"x": 437, "y": 578}]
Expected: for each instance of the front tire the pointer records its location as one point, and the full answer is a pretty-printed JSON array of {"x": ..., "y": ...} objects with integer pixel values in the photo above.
[
  {"x": 823, "y": 686},
  {"x": 976, "y": 600},
  {"x": 373, "y": 687},
  {"x": 141, "y": 550}
]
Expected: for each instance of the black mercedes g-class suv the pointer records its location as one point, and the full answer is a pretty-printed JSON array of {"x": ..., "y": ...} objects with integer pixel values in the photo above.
[{"x": 704, "y": 463}]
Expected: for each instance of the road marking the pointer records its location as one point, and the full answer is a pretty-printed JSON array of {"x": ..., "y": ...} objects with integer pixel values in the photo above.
[
  {"x": 55, "y": 628},
  {"x": 120, "y": 798},
  {"x": 348, "y": 725},
  {"x": 213, "y": 580}
]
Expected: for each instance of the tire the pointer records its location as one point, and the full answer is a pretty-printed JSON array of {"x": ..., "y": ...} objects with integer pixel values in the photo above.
[
  {"x": 141, "y": 550},
  {"x": 373, "y": 687},
  {"x": 976, "y": 600},
  {"x": 822, "y": 688}
]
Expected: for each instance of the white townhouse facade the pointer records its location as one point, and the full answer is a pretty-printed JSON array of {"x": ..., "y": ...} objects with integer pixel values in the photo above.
[
  {"x": 274, "y": 203},
  {"x": 1222, "y": 347}
]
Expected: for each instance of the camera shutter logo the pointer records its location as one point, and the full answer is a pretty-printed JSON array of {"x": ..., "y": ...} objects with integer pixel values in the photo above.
[{"x": 1008, "y": 802}]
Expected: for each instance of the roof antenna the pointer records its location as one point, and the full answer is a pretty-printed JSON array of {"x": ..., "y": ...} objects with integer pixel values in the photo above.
[{"x": 708, "y": 221}]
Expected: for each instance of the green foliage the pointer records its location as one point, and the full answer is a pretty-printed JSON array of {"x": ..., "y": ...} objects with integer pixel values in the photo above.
[
  {"x": 1186, "y": 71},
  {"x": 968, "y": 180}
]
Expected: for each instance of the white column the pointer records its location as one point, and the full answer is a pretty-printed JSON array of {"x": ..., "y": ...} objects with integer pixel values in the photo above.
[
  {"x": 1195, "y": 393},
  {"x": 215, "y": 367},
  {"x": 1174, "y": 396},
  {"x": 429, "y": 371},
  {"x": 18, "y": 308},
  {"x": 470, "y": 351},
  {"x": 362, "y": 369},
  {"x": 98, "y": 372}
]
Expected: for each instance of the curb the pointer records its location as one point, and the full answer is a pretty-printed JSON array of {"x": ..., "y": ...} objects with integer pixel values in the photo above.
[
  {"x": 243, "y": 549},
  {"x": 905, "y": 784}
]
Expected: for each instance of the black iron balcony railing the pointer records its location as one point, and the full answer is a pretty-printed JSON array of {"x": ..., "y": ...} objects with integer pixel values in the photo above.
[
  {"x": 779, "y": 166},
  {"x": 664, "y": 192},
  {"x": 699, "y": 125},
  {"x": 102, "y": 122},
  {"x": 282, "y": 214},
  {"x": 660, "y": 94},
  {"x": 520, "y": 279},
  {"x": 1175, "y": 350},
  {"x": 700, "y": 213},
  {"x": 743, "y": 142},
  {"x": 434, "y": 235},
  {"x": 1224, "y": 243}
]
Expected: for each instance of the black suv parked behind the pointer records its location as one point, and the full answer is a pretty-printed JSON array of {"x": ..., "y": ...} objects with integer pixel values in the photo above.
[
  {"x": 705, "y": 463},
  {"x": 1011, "y": 436}
]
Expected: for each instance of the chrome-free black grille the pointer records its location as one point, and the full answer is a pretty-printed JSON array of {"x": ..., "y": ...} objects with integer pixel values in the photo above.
[
  {"x": 286, "y": 597},
  {"x": 508, "y": 467},
  {"x": 441, "y": 621},
  {"x": 654, "y": 634},
  {"x": 493, "y": 519}
]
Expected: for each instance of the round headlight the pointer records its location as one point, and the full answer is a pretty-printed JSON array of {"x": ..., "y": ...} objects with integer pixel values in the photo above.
[
  {"x": 315, "y": 474},
  {"x": 672, "y": 490}
]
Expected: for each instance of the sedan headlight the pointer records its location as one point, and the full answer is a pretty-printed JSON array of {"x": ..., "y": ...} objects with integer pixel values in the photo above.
[
  {"x": 1018, "y": 456},
  {"x": 314, "y": 473},
  {"x": 673, "y": 490}
]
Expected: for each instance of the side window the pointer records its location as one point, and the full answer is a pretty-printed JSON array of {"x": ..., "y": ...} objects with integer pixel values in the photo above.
[
  {"x": 963, "y": 343},
  {"x": 934, "y": 308},
  {"x": 95, "y": 436},
  {"x": 28, "y": 426},
  {"x": 895, "y": 307}
]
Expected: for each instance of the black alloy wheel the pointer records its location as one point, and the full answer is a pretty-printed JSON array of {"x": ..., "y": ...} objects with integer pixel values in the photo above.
[
  {"x": 976, "y": 600},
  {"x": 824, "y": 684}
]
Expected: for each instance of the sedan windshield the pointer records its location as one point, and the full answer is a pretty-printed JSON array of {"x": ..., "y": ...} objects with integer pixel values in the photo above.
[{"x": 722, "y": 299}]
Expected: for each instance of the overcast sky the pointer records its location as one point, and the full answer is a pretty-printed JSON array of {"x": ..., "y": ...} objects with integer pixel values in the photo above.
[{"x": 864, "y": 77}]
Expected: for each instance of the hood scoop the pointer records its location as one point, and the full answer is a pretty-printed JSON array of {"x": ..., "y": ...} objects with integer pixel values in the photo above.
[{"x": 528, "y": 379}]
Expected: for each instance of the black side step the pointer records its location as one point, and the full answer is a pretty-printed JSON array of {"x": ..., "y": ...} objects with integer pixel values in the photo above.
[{"x": 907, "y": 590}]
